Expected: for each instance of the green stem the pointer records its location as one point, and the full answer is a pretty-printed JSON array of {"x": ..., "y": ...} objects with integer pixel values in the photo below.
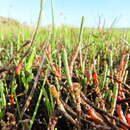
[
  {"x": 37, "y": 105},
  {"x": 67, "y": 72},
  {"x": 81, "y": 30},
  {"x": 80, "y": 40},
  {"x": 53, "y": 21}
]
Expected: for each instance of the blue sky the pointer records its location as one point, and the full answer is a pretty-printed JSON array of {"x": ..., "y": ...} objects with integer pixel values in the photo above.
[{"x": 69, "y": 12}]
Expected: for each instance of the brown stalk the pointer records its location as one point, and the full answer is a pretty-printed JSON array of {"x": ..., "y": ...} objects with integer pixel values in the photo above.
[
  {"x": 117, "y": 80},
  {"x": 123, "y": 100},
  {"x": 120, "y": 113},
  {"x": 102, "y": 112},
  {"x": 125, "y": 64},
  {"x": 126, "y": 91},
  {"x": 71, "y": 66},
  {"x": 97, "y": 90},
  {"x": 34, "y": 86},
  {"x": 96, "y": 117},
  {"x": 76, "y": 90},
  {"x": 60, "y": 107},
  {"x": 53, "y": 121},
  {"x": 109, "y": 122},
  {"x": 71, "y": 111},
  {"x": 68, "y": 117}
]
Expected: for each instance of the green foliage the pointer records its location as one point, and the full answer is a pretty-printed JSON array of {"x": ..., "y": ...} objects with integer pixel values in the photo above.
[
  {"x": 31, "y": 60},
  {"x": 100, "y": 48},
  {"x": 2, "y": 99},
  {"x": 26, "y": 79}
]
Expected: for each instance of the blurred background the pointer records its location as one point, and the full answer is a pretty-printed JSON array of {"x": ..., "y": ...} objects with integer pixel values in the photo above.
[{"x": 69, "y": 12}]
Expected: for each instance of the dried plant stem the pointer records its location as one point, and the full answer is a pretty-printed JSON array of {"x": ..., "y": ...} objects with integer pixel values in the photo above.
[
  {"x": 38, "y": 73},
  {"x": 92, "y": 113},
  {"x": 68, "y": 116},
  {"x": 69, "y": 109},
  {"x": 76, "y": 91},
  {"x": 117, "y": 80},
  {"x": 33, "y": 87},
  {"x": 102, "y": 112},
  {"x": 71, "y": 66},
  {"x": 97, "y": 90},
  {"x": 114, "y": 98},
  {"x": 53, "y": 121},
  {"x": 61, "y": 108},
  {"x": 72, "y": 112},
  {"x": 123, "y": 100}
]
